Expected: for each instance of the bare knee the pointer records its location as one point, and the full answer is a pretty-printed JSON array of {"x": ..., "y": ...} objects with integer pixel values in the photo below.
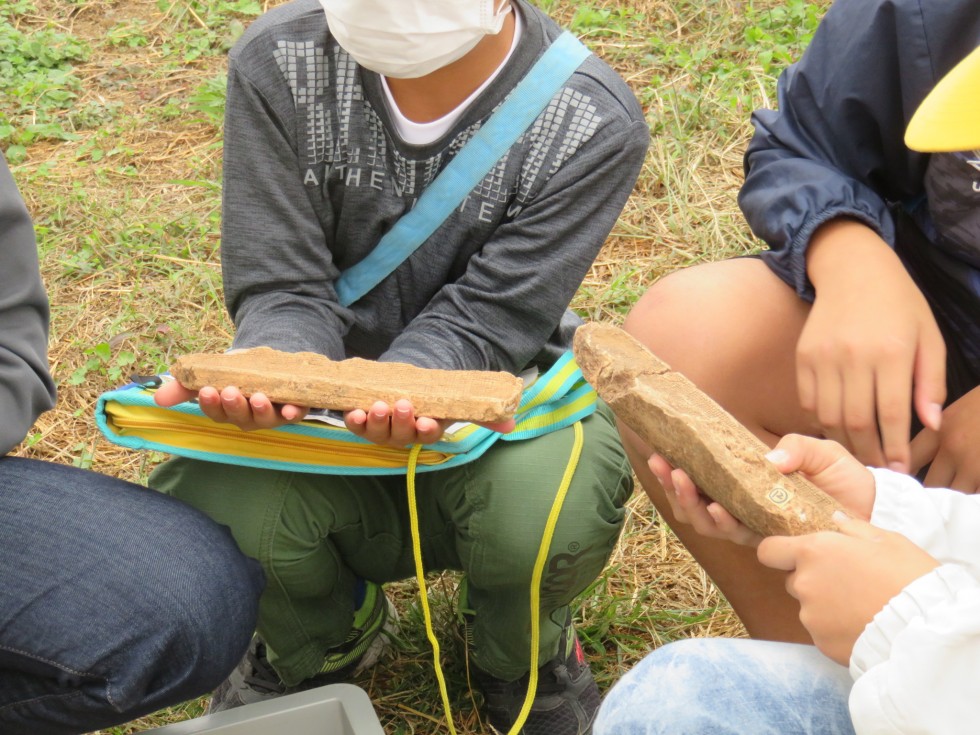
[
  {"x": 731, "y": 327},
  {"x": 659, "y": 317}
]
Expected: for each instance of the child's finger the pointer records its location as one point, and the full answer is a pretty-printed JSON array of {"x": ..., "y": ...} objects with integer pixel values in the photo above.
[
  {"x": 428, "y": 430},
  {"x": 691, "y": 507},
  {"x": 289, "y": 412},
  {"x": 356, "y": 421},
  {"x": 378, "y": 426},
  {"x": 807, "y": 454},
  {"x": 854, "y": 527},
  {"x": 860, "y": 425},
  {"x": 236, "y": 406},
  {"x": 209, "y": 401},
  {"x": 894, "y": 388},
  {"x": 924, "y": 447},
  {"x": 929, "y": 393},
  {"x": 686, "y": 504},
  {"x": 501, "y": 427},
  {"x": 779, "y": 552},
  {"x": 661, "y": 469},
  {"x": 731, "y": 527},
  {"x": 264, "y": 414},
  {"x": 403, "y": 428},
  {"x": 684, "y": 488},
  {"x": 830, "y": 399},
  {"x": 171, "y": 393}
]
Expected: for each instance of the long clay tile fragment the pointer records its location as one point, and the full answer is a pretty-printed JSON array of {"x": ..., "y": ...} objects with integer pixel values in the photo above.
[
  {"x": 694, "y": 433},
  {"x": 308, "y": 379}
]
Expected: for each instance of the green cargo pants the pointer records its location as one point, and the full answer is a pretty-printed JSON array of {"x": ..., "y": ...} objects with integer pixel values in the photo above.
[{"x": 315, "y": 534}]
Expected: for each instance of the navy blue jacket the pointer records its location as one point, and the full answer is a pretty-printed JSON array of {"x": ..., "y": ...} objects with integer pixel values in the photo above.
[{"x": 836, "y": 146}]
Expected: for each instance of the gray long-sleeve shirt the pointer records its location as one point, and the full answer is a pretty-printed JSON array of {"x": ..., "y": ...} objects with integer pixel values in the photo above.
[
  {"x": 314, "y": 175},
  {"x": 26, "y": 388}
]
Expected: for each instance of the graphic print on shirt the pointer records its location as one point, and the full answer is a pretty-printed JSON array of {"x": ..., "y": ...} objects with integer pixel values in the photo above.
[
  {"x": 952, "y": 185},
  {"x": 953, "y": 189},
  {"x": 974, "y": 160},
  {"x": 344, "y": 138}
]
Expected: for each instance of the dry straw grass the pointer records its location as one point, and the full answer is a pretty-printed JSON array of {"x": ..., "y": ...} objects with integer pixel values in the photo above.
[{"x": 130, "y": 259}]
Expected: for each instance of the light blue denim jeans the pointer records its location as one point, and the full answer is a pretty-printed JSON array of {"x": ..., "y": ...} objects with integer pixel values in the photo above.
[
  {"x": 725, "y": 686},
  {"x": 115, "y": 601}
]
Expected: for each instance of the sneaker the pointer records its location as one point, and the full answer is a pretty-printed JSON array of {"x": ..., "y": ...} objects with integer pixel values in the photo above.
[
  {"x": 254, "y": 679},
  {"x": 375, "y": 624},
  {"x": 566, "y": 701}
]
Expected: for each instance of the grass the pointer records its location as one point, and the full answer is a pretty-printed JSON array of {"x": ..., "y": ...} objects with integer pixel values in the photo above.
[{"x": 110, "y": 117}]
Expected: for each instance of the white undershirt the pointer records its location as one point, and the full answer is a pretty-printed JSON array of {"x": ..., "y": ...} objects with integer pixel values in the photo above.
[{"x": 416, "y": 133}]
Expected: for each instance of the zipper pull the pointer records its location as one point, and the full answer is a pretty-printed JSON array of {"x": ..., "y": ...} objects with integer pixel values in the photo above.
[{"x": 146, "y": 381}]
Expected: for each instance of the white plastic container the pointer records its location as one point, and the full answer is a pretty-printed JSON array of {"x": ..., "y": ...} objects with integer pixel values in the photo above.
[{"x": 335, "y": 709}]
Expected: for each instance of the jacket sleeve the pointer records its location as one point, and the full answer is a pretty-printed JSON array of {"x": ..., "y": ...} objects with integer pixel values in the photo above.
[
  {"x": 943, "y": 522},
  {"x": 911, "y": 662},
  {"x": 26, "y": 388},
  {"x": 513, "y": 293},
  {"x": 835, "y": 148},
  {"x": 268, "y": 218},
  {"x": 915, "y": 664}
]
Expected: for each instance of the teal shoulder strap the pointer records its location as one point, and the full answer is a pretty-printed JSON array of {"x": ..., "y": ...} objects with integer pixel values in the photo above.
[{"x": 467, "y": 169}]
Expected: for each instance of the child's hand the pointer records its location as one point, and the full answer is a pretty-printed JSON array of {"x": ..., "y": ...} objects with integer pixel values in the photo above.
[
  {"x": 843, "y": 580},
  {"x": 691, "y": 506},
  {"x": 229, "y": 406},
  {"x": 395, "y": 426},
  {"x": 171, "y": 393},
  {"x": 825, "y": 463},
  {"x": 953, "y": 449},
  {"x": 398, "y": 426},
  {"x": 870, "y": 347},
  {"x": 831, "y": 468}
]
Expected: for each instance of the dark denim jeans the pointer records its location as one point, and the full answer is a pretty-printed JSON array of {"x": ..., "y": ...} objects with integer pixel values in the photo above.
[{"x": 115, "y": 600}]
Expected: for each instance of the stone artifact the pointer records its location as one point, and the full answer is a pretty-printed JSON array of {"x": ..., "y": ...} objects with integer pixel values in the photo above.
[
  {"x": 723, "y": 458},
  {"x": 308, "y": 379}
]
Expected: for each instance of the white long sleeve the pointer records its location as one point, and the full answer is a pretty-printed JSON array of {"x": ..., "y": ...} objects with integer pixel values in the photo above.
[
  {"x": 917, "y": 664},
  {"x": 944, "y": 522}
]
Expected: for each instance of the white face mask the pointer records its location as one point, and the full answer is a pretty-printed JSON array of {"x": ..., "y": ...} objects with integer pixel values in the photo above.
[{"x": 406, "y": 39}]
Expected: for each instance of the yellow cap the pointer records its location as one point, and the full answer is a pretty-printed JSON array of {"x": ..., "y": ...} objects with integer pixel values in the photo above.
[{"x": 949, "y": 117}]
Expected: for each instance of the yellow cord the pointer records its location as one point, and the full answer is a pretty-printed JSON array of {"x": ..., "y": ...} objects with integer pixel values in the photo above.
[
  {"x": 549, "y": 532},
  {"x": 413, "y": 516}
]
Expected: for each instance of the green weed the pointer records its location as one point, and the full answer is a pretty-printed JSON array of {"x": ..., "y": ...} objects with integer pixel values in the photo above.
[
  {"x": 208, "y": 99},
  {"x": 777, "y": 34},
  {"x": 604, "y": 22},
  {"x": 37, "y": 82},
  {"x": 129, "y": 34},
  {"x": 102, "y": 362},
  {"x": 199, "y": 28}
]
